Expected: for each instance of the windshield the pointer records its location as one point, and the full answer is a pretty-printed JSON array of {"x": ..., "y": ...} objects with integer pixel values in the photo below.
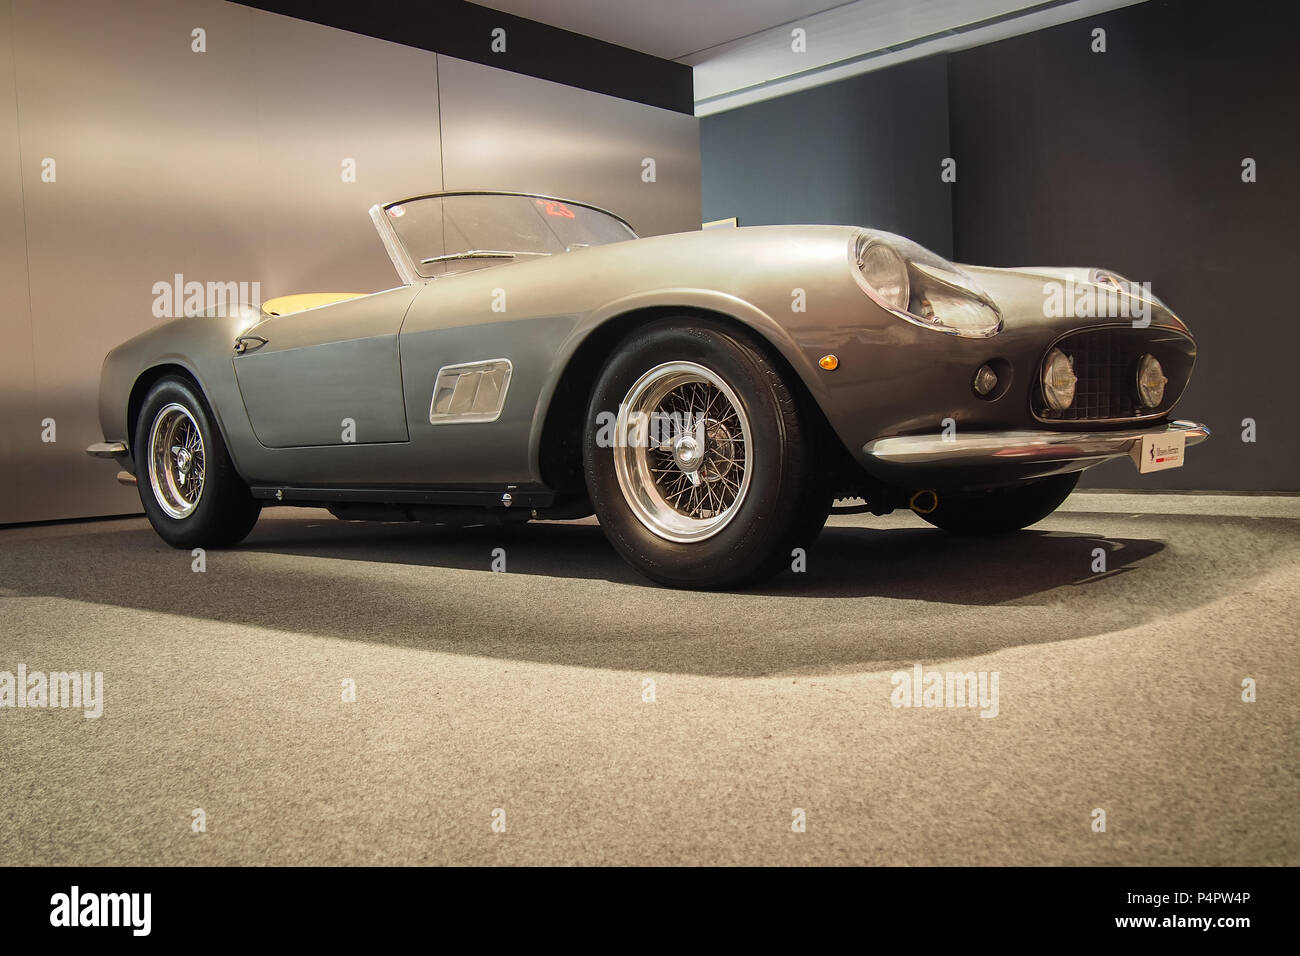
[{"x": 443, "y": 235}]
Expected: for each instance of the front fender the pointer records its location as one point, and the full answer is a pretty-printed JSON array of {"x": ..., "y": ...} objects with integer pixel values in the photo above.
[
  {"x": 699, "y": 300},
  {"x": 202, "y": 346}
]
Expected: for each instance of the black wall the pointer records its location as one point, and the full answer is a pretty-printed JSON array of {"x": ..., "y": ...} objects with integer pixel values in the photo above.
[
  {"x": 464, "y": 30},
  {"x": 1131, "y": 159},
  {"x": 862, "y": 151},
  {"x": 1128, "y": 159}
]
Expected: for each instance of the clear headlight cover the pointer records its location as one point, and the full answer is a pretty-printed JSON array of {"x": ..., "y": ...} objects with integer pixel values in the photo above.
[
  {"x": 927, "y": 290},
  {"x": 1151, "y": 381},
  {"x": 1059, "y": 380}
]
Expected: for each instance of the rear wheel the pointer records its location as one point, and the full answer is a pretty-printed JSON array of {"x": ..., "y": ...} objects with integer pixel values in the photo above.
[
  {"x": 1002, "y": 509},
  {"x": 700, "y": 463},
  {"x": 188, "y": 485}
]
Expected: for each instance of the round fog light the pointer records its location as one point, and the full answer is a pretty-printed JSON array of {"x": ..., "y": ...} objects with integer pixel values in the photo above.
[
  {"x": 1058, "y": 380},
  {"x": 1150, "y": 381},
  {"x": 985, "y": 381}
]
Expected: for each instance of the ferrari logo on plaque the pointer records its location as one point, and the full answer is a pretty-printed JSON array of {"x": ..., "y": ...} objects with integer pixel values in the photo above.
[{"x": 1158, "y": 452}]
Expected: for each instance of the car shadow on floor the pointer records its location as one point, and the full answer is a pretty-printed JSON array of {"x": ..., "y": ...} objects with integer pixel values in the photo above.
[
  {"x": 877, "y": 595},
  {"x": 850, "y": 562}
]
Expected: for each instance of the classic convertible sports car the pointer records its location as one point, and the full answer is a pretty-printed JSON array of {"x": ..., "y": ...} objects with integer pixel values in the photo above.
[{"x": 707, "y": 395}]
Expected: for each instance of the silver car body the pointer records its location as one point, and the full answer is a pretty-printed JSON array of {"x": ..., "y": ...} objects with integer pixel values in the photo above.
[{"x": 282, "y": 388}]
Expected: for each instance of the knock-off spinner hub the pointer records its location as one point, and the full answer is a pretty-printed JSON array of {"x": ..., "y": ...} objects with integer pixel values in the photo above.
[{"x": 687, "y": 453}]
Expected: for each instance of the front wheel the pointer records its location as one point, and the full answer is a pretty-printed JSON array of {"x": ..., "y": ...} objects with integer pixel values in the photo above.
[
  {"x": 1001, "y": 509},
  {"x": 700, "y": 462},
  {"x": 188, "y": 485}
]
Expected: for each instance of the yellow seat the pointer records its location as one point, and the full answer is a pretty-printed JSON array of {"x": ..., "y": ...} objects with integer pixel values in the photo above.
[{"x": 288, "y": 304}]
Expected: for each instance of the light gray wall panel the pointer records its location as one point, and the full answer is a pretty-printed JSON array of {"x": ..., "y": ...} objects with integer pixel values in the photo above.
[
  {"x": 20, "y": 445},
  {"x": 142, "y": 132},
  {"x": 506, "y": 131},
  {"x": 322, "y": 96},
  {"x": 223, "y": 166}
]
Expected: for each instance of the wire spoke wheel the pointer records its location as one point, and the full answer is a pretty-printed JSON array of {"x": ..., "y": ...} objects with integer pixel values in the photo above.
[
  {"x": 177, "y": 460},
  {"x": 683, "y": 451},
  {"x": 703, "y": 470}
]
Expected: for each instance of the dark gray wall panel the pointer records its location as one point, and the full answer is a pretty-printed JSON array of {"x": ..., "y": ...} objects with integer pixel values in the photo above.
[
  {"x": 864, "y": 151},
  {"x": 1128, "y": 159},
  {"x": 1131, "y": 159}
]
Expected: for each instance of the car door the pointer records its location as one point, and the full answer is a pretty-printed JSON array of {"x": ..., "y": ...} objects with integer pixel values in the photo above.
[
  {"x": 327, "y": 376},
  {"x": 473, "y": 376}
]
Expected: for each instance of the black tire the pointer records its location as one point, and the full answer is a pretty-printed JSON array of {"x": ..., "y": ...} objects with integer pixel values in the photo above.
[
  {"x": 1001, "y": 510},
  {"x": 225, "y": 511},
  {"x": 787, "y": 499}
]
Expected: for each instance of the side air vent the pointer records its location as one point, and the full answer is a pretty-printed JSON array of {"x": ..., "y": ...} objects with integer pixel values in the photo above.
[{"x": 473, "y": 392}]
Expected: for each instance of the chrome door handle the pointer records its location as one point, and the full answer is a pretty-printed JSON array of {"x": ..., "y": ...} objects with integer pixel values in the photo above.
[{"x": 248, "y": 343}]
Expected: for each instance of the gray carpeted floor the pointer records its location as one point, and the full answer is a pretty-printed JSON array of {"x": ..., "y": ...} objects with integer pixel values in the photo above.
[{"x": 525, "y": 691}]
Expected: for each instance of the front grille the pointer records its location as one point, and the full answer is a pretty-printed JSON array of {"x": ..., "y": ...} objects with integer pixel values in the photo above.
[{"x": 1105, "y": 363}]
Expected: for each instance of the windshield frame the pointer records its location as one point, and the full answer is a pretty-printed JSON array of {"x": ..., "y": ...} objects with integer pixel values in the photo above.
[{"x": 408, "y": 269}]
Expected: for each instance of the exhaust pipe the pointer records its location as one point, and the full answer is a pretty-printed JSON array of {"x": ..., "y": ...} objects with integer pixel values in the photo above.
[{"x": 924, "y": 501}]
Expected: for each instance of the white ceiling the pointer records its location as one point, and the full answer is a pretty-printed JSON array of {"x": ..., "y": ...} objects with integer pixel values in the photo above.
[
  {"x": 741, "y": 49},
  {"x": 666, "y": 28}
]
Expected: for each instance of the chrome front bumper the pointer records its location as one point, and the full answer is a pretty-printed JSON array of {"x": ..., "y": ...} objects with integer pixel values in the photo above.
[
  {"x": 107, "y": 449},
  {"x": 1018, "y": 448},
  {"x": 113, "y": 449}
]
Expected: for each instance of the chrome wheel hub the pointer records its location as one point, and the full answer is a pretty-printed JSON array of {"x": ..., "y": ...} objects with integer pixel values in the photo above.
[
  {"x": 682, "y": 451},
  {"x": 176, "y": 460},
  {"x": 686, "y": 453}
]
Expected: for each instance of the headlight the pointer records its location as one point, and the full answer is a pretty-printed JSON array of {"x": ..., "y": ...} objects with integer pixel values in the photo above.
[
  {"x": 1150, "y": 381},
  {"x": 916, "y": 285},
  {"x": 886, "y": 273},
  {"x": 1058, "y": 380}
]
